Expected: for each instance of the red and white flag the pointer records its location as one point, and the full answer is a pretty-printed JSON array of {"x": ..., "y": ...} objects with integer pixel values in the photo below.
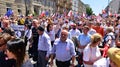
[
  {"x": 116, "y": 15},
  {"x": 83, "y": 14},
  {"x": 103, "y": 12},
  {"x": 110, "y": 14},
  {"x": 42, "y": 14},
  {"x": 99, "y": 18},
  {"x": 53, "y": 16},
  {"x": 70, "y": 13}
]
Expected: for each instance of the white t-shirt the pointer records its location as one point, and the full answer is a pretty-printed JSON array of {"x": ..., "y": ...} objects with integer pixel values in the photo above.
[
  {"x": 103, "y": 62},
  {"x": 74, "y": 33},
  {"x": 92, "y": 31},
  {"x": 52, "y": 35},
  {"x": 90, "y": 54}
]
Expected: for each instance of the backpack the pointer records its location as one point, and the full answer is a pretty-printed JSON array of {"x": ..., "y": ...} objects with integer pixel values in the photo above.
[{"x": 104, "y": 41}]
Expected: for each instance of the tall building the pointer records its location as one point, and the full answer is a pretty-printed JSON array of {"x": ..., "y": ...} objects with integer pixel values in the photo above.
[
  {"x": 81, "y": 7},
  {"x": 39, "y": 6},
  {"x": 78, "y": 6},
  {"x": 63, "y": 6},
  {"x": 75, "y": 5},
  {"x": 28, "y": 6},
  {"x": 113, "y": 6}
]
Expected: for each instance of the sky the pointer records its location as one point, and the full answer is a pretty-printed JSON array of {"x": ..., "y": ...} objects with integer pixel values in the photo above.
[{"x": 96, "y": 5}]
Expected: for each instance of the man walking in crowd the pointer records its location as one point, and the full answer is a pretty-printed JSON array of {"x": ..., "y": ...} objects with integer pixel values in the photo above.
[
  {"x": 34, "y": 44},
  {"x": 44, "y": 47},
  {"x": 83, "y": 40},
  {"x": 63, "y": 50},
  {"x": 74, "y": 32}
]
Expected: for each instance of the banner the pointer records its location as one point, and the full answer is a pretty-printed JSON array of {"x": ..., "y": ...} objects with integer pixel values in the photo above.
[{"x": 18, "y": 27}]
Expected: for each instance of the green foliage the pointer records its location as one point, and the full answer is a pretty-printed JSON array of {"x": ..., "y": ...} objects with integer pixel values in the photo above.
[{"x": 89, "y": 11}]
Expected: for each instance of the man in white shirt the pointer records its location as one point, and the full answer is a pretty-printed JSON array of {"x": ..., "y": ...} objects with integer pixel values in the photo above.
[
  {"x": 44, "y": 47},
  {"x": 74, "y": 32}
]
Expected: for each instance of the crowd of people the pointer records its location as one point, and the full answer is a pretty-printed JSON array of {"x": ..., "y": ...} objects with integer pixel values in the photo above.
[{"x": 92, "y": 41}]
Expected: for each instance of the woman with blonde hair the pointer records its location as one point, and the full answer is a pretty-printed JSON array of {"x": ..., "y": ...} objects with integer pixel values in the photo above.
[{"x": 91, "y": 52}]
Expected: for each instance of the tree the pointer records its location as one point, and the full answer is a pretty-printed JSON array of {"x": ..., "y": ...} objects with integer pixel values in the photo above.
[{"x": 89, "y": 11}]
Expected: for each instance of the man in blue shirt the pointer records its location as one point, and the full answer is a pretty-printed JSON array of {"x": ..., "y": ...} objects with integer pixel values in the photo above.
[
  {"x": 63, "y": 50},
  {"x": 83, "y": 40}
]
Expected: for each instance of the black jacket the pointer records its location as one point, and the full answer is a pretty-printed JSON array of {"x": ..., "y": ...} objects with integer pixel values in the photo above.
[{"x": 6, "y": 62}]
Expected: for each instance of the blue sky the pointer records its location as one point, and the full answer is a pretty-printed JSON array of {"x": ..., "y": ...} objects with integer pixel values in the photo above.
[{"x": 96, "y": 5}]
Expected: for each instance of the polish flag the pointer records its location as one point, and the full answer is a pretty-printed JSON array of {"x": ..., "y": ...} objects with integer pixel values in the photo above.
[
  {"x": 103, "y": 12},
  {"x": 53, "y": 16},
  {"x": 42, "y": 14},
  {"x": 99, "y": 18},
  {"x": 110, "y": 14},
  {"x": 83, "y": 15},
  {"x": 70, "y": 13}
]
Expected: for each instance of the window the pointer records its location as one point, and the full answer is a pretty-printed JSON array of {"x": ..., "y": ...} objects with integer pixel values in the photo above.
[
  {"x": 45, "y": 2},
  {"x": 19, "y": 11},
  {"x": 8, "y": 4},
  {"x": 8, "y": 8},
  {"x": 49, "y": 3}
]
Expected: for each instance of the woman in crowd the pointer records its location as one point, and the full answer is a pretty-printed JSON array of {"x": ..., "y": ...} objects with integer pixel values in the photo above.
[
  {"x": 3, "y": 61},
  {"x": 28, "y": 33},
  {"x": 91, "y": 52},
  {"x": 51, "y": 32},
  {"x": 16, "y": 50},
  {"x": 109, "y": 38}
]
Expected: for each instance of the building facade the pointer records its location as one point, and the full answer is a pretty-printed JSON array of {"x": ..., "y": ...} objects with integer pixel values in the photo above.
[
  {"x": 39, "y": 6},
  {"x": 81, "y": 7},
  {"x": 113, "y": 7},
  {"x": 26, "y": 7},
  {"x": 63, "y": 6},
  {"x": 78, "y": 6},
  {"x": 75, "y": 5},
  {"x": 17, "y": 6}
]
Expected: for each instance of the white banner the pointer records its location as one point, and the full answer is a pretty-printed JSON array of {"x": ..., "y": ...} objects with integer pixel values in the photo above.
[{"x": 18, "y": 27}]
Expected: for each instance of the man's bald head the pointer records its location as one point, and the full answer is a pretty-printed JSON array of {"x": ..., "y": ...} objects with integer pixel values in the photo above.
[{"x": 64, "y": 35}]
